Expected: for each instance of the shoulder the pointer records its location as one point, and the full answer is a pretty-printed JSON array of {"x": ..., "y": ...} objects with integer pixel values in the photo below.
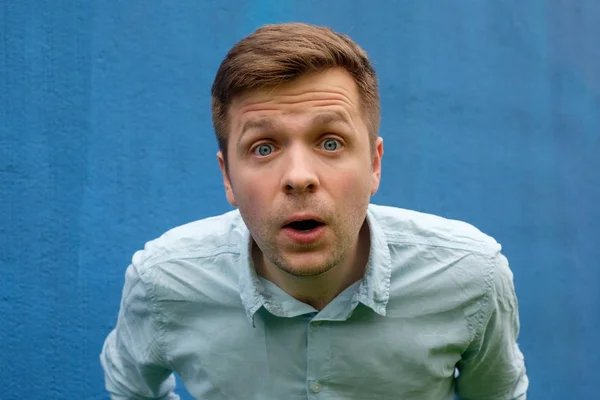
[
  {"x": 438, "y": 262},
  {"x": 403, "y": 226},
  {"x": 204, "y": 237},
  {"x": 189, "y": 255}
]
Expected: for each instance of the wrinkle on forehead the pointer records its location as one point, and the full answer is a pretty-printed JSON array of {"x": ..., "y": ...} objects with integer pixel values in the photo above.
[
  {"x": 286, "y": 103},
  {"x": 312, "y": 93},
  {"x": 258, "y": 99}
]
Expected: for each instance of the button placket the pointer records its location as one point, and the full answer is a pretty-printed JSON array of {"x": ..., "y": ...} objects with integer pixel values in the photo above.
[{"x": 317, "y": 357}]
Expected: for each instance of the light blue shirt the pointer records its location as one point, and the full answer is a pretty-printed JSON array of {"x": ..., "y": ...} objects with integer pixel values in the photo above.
[{"x": 437, "y": 300}]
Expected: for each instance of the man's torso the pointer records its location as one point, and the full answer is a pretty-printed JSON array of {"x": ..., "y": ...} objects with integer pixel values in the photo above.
[{"x": 398, "y": 334}]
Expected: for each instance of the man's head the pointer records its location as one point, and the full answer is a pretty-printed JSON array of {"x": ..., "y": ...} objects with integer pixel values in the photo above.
[
  {"x": 276, "y": 54},
  {"x": 296, "y": 112}
]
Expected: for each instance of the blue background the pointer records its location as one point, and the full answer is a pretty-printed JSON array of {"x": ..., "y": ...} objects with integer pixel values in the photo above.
[{"x": 491, "y": 114}]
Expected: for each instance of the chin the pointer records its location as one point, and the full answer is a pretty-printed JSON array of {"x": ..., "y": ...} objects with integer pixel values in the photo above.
[{"x": 308, "y": 267}]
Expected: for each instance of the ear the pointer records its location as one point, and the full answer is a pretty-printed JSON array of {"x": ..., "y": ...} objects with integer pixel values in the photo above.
[
  {"x": 226, "y": 182},
  {"x": 376, "y": 165}
]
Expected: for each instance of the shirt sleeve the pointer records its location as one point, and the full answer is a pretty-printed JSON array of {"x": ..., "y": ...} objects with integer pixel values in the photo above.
[
  {"x": 493, "y": 366},
  {"x": 132, "y": 358}
]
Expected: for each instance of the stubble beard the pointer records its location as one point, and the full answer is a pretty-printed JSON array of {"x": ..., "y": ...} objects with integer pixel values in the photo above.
[
  {"x": 340, "y": 246},
  {"x": 276, "y": 258},
  {"x": 344, "y": 239}
]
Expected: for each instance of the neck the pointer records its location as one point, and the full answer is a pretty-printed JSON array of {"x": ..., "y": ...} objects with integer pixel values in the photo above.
[{"x": 320, "y": 290}]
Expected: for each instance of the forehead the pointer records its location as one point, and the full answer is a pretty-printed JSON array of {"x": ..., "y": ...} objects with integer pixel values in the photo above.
[{"x": 331, "y": 91}]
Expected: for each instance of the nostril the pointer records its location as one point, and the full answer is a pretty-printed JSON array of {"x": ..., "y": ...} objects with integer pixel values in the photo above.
[
  {"x": 290, "y": 188},
  {"x": 299, "y": 182}
]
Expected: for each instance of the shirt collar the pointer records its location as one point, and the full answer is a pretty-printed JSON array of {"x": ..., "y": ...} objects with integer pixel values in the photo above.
[
  {"x": 250, "y": 286},
  {"x": 373, "y": 290}
]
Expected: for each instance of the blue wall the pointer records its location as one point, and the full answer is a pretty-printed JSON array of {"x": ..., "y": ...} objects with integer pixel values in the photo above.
[{"x": 491, "y": 114}]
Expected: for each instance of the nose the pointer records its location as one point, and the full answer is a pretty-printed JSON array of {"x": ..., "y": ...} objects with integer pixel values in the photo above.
[{"x": 300, "y": 175}]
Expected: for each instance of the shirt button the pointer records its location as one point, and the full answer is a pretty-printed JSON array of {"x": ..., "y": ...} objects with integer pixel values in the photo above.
[{"x": 316, "y": 387}]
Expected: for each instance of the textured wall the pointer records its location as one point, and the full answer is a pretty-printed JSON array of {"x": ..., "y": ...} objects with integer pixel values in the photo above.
[{"x": 491, "y": 114}]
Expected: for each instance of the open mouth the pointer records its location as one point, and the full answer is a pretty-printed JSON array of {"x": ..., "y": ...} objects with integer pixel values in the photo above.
[{"x": 304, "y": 225}]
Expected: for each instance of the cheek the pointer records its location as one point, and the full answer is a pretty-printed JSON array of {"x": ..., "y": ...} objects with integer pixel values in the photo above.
[
  {"x": 252, "y": 195},
  {"x": 354, "y": 184}
]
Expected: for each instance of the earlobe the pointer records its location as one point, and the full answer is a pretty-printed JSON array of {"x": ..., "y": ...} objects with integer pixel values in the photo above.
[{"x": 226, "y": 181}]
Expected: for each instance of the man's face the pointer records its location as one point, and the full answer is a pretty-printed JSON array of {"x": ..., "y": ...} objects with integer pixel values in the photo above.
[{"x": 301, "y": 171}]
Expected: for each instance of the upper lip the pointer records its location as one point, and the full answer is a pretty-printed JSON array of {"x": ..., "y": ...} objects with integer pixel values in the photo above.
[{"x": 302, "y": 217}]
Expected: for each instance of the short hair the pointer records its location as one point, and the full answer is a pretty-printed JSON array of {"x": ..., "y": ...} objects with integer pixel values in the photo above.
[{"x": 279, "y": 53}]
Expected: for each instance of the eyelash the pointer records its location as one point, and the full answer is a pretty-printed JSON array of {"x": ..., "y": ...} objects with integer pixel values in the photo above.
[{"x": 257, "y": 146}]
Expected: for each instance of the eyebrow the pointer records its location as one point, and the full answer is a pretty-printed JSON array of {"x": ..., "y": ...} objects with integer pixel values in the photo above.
[
  {"x": 258, "y": 124},
  {"x": 331, "y": 117},
  {"x": 323, "y": 118}
]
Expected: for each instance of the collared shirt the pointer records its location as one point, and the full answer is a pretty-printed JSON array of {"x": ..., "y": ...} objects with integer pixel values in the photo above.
[{"x": 435, "y": 314}]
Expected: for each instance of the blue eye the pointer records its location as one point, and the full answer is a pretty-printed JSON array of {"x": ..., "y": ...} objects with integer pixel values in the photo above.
[
  {"x": 331, "y": 144},
  {"x": 263, "y": 149}
]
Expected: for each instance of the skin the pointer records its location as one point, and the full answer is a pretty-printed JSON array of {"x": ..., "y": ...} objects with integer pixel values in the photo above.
[{"x": 303, "y": 147}]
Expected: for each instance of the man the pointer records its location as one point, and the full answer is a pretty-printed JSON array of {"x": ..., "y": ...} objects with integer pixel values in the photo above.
[{"x": 307, "y": 290}]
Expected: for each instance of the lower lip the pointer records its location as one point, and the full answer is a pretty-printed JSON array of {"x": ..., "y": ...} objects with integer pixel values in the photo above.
[{"x": 305, "y": 237}]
